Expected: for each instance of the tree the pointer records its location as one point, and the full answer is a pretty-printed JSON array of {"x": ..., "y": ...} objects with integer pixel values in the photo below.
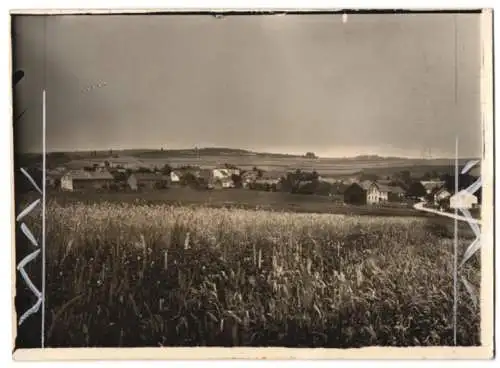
[
  {"x": 368, "y": 176},
  {"x": 300, "y": 182},
  {"x": 405, "y": 176},
  {"x": 310, "y": 155},
  {"x": 166, "y": 169},
  {"x": 416, "y": 189},
  {"x": 237, "y": 180},
  {"x": 427, "y": 175}
]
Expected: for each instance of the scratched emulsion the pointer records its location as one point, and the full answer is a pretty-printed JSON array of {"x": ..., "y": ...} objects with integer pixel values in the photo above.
[
  {"x": 29, "y": 293},
  {"x": 460, "y": 205}
]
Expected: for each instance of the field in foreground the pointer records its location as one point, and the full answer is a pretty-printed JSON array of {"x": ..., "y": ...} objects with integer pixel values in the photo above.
[
  {"x": 157, "y": 275},
  {"x": 238, "y": 198}
]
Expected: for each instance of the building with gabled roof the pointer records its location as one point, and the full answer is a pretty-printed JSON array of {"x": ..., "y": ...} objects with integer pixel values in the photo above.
[
  {"x": 79, "y": 180},
  {"x": 355, "y": 194},
  {"x": 148, "y": 181},
  {"x": 379, "y": 193}
]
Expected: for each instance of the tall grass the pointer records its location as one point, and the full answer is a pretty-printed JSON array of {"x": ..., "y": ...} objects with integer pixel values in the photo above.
[{"x": 155, "y": 275}]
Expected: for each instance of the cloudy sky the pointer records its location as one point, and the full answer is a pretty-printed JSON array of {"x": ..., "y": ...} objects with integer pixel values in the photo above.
[{"x": 376, "y": 84}]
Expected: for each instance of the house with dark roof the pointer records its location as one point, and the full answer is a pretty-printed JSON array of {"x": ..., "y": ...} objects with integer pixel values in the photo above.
[
  {"x": 205, "y": 178},
  {"x": 380, "y": 193},
  {"x": 80, "y": 180},
  {"x": 440, "y": 194},
  {"x": 248, "y": 177},
  {"x": 355, "y": 194},
  {"x": 147, "y": 181},
  {"x": 222, "y": 178}
]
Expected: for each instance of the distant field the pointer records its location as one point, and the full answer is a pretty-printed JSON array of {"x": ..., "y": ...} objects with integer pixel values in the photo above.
[
  {"x": 275, "y": 163},
  {"x": 238, "y": 198}
]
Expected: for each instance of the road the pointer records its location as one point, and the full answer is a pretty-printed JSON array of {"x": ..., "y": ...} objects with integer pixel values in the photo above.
[{"x": 420, "y": 207}]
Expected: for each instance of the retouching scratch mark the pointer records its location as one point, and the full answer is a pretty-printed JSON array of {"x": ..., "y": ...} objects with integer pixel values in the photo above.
[
  {"x": 32, "y": 181},
  {"x": 27, "y": 210},
  {"x": 470, "y": 165},
  {"x": 29, "y": 234},
  {"x": 471, "y": 250},
  {"x": 31, "y": 286},
  {"x": 470, "y": 289}
]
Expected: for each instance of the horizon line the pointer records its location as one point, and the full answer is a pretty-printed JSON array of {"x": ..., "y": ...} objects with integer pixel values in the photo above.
[{"x": 250, "y": 151}]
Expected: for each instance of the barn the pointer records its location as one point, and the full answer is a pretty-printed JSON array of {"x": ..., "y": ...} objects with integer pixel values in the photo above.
[
  {"x": 355, "y": 194},
  {"x": 82, "y": 180},
  {"x": 147, "y": 181}
]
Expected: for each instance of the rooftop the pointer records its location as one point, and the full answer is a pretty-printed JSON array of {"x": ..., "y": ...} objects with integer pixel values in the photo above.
[
  {"x": 89, "y": 175},
  {"x": 149, "y": 176}
]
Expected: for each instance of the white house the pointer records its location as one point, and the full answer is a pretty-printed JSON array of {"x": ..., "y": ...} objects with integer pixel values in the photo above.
[
  {"x": 377, "y": 193},
  {"x": 221, "y": 174},
  {"x": 175, "y": 176},
  {"x": 463, "y": 200}
]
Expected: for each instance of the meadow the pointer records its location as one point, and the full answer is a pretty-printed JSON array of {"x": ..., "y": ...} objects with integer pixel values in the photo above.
[
  {"x": 238, "y": 198},
  {"x": 160, "y": 275}
]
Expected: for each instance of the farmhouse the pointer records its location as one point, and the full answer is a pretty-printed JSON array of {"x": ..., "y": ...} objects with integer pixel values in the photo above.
[
  {"x": 175, "y": 177},
  {"x": 377, "y": 193},
  {"x": 222, "y": 178},
  {"x": 268, "y": 181},
  {"x": 206, "y": 179},
  {"x": 53, "y": 178},
  {"x": 440, "y": 194},
  {"x": 80, "y": 180},
  {"x": 147, "y": 181},
  {"x": 221, "y": 173},
  {"x": 248, "y": 177},
  {"x": 463, "y": 200}
]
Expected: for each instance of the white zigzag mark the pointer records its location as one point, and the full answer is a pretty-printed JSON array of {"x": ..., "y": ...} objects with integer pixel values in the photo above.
[
  {"x": 24, "y": 275},
  {"x": 473, "y": 248},
  {"x": 470, "y": 165},
  {"x": 27, "y": 210},
  {"x": 470, "y": 289},
  {"x": 32, "y": 181},
  {"x": 29, "y": 234}
]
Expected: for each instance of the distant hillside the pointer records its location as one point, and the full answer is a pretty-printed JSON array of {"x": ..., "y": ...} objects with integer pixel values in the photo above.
[
  {"x": 219, "y": 155},
  {"x": 211, "y": 151}
]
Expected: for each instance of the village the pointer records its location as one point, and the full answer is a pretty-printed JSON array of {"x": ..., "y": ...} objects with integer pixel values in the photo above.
[{"x": 400, "y": 189}]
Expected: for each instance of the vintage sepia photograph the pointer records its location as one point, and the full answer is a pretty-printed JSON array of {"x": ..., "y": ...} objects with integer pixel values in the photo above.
[{"x": 237, "y": 179}]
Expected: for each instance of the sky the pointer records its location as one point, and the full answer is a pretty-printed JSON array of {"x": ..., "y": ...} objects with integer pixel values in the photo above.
[{"x": 386, "y": 84}]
